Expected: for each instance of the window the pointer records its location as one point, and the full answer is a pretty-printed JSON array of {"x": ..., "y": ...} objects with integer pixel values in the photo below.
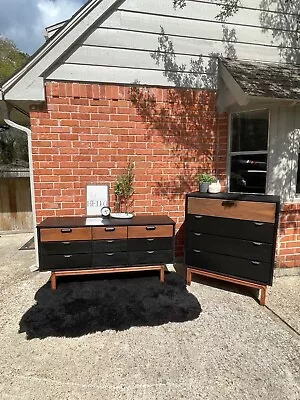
[{"x": 248, "y": 152}]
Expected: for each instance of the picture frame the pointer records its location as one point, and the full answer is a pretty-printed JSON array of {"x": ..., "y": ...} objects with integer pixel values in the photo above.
[{"x": 97, "y": 196}]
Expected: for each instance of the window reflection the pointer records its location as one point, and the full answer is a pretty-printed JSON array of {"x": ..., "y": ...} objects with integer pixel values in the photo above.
[
  {"x": 248, "y": 155},
  {"x": 248, "y": 173},
  {"x": 250, "y": 131}
]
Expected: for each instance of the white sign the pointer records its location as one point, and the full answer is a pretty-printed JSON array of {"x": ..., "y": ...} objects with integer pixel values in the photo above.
[{"x": 96, "y": 198}]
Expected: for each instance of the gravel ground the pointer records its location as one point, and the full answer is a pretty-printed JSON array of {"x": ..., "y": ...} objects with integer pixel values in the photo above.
[{"x": 234, "y": 349}]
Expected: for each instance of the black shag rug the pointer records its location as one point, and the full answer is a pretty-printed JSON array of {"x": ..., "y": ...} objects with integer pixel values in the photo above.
[
  {"x": 93, "y": 304},
  {"x": 28, "y": 245}
]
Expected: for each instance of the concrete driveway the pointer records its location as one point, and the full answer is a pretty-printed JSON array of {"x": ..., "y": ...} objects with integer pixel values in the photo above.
[{"x": 211, "y": 341}]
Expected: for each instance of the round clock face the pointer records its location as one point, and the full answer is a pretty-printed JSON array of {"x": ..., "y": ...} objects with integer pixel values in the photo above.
[{"x": 105, "y": 211}]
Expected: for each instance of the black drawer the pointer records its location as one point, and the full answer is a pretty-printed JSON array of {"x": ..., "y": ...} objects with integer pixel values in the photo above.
[
  {"x": 233, "y": 247},
  {"x": 109, "y": 245},
  {"x": 67, "y": 247},
  {"x": 235, "y": 228},
  {"x": 251, "y": 270},
  {"x": 157, "y": 243},
  {"x": 110, "y": 259},
  {"x": 150, "y": 257},
  {"x": 65, "y": 261}
]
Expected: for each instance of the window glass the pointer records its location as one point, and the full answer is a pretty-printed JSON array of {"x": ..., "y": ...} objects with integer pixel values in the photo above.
[
  {"x": 248, "y": 155},
  {"x": 250, "y": 131},
  {"x": 248, "y": 173}
]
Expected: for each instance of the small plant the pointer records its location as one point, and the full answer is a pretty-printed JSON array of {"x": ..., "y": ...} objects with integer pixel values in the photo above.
[
  {"x": 124, "y": 188},
  {"x": 205, "y": 178}
]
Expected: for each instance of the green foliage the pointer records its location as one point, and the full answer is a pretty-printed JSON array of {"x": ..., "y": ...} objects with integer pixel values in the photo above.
[
  {"x": 124, "y": 186},
  {"x": 205, "y": 178},
  {"x": 13, "y": 148},
  {"x": 11, "y": 58}
]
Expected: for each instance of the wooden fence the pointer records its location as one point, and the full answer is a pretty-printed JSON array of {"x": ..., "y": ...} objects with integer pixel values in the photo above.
[{"x": 15, "y": 204}]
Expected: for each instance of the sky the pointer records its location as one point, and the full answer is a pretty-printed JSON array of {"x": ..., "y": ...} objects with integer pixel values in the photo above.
[{"x": 24, "y": 21}]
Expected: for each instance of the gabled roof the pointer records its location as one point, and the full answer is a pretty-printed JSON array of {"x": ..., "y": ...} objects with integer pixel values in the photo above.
[
  {"x": 246, "y": 81},
  {"x": 27, "y": 84}
]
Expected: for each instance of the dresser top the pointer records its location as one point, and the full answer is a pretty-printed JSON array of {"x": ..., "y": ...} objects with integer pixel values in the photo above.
[
  {"x": 60, "y": 222},
  {"x": 237, "y": 196}
]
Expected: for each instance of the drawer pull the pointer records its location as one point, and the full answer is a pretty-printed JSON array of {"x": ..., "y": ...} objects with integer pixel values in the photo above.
[
  {"x": 197, "y": 251},
  {"x": 228, "y": 203},
  {"x": 66, "y": 230},
  {"x": 150, "y": 228},
  {"x": 110, "y": 254},
  {"x": 198, "y": 216},
  {"x": 66, "y": 243},
  {"x": 257, "y": 243},
  {"x": 198, "y": 234},
  {"x": 258, "y": 223},
  {"x": 150, "y": 240},
  {"x": 150, "y": 251},
  {"x": 109, "y": 241},
  {"x": 110, "y": 229},
  {"x": 255, "y": 262},
  {"x": 67, "y": 256}
]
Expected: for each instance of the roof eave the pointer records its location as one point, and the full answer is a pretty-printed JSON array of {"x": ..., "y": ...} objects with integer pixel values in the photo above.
[{"x": 46, "y": 47}]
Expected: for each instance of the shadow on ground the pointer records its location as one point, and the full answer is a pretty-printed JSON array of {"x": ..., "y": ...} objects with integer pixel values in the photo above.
[{"x": 82, "y": 306}]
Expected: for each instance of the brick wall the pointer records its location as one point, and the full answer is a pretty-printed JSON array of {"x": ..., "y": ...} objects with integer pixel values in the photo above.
[
  {"x": 88, "y": 133},
  {"x": 289, "y": 236}
]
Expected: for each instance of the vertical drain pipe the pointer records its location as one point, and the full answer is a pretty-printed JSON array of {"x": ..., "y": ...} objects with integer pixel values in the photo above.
[{"x": 28, "y": 134}]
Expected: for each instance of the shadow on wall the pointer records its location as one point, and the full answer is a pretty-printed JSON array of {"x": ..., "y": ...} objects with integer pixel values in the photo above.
[
  {"x": 186, "y": 122},
  {"x": 82, "y": 307},
  {"x": 284, "y": 25},
  {"x": 186, "y": 117}
]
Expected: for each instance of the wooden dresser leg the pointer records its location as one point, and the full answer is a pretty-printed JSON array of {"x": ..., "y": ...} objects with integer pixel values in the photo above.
[
  {"x": 263, "y": 292},
  {"x": 162, "y": 274},
  {"x": 188, "y": 276},
  {"x": 53, "y": 281}
]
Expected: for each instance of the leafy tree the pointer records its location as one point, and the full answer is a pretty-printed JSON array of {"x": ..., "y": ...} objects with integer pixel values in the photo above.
[
  {"x": 13, "y": 143},
  {"x": 11, "y": 58}
]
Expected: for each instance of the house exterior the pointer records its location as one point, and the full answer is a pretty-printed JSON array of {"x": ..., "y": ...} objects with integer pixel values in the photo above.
[{"x": 132, "y": 80}]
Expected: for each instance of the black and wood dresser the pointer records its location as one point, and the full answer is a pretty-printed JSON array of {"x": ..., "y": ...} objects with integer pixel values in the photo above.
[
  {"x": 87, "y": 245},
  {"x": 232, "y": 237}
]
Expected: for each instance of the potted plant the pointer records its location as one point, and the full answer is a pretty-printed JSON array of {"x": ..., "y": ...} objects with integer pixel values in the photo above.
[
  {"x": 204, "y": 180},
  {"x": 123, "y": 189}
]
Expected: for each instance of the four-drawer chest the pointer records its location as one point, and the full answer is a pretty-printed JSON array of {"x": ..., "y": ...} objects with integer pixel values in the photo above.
[
  {"x": 232, "y": 237},
  {"x": 83, "y": 245}
]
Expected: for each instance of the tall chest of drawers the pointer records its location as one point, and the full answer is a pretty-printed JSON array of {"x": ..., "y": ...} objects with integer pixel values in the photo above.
[
  {"x": 232, "y": 237},
  {"x": 82, "y": 245}
]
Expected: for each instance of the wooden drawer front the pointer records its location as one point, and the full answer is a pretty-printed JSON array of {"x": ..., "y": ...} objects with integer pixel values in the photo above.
[
  {"x": 110, "y": 259},
  {"x": 249, "y": 230},
  {"x": 232, "y": 266},
  {"x": 249, "y": 210},
  {"x": 163, "y": 243},
  {"x": 109, "y": 245},
  {"x": 65, "y": 261},
  {"x": 65, "y": 234},
  {"x": 233, "y": 247},
  {"x": 150, "y": 231},
  {"x": 67, "y": 247},
  {"x": 109, "y": 232},
  {"x": 150, "y": 257}
]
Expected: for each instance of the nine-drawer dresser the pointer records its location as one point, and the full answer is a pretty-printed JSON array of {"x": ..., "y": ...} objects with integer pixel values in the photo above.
[{"x": 82, "y": 245}]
